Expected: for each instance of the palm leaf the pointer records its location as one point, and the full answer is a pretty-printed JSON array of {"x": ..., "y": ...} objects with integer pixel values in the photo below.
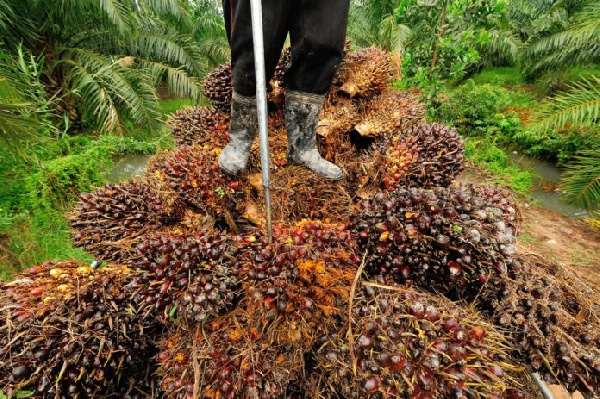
[
  {"x": 579, "y": 106},
  {"x": 179, "y": 82},
  {"x": 118, "y": 13},
  {"x": 579, "y": 44},
  {"x": 581, "y": 181},
  {"x": 105, "y": 85}
]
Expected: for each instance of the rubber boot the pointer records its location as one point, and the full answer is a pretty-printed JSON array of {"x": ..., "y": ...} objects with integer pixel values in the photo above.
[
  {"x": 301, "y": 119},
  {"x": 244, "y": 121}
]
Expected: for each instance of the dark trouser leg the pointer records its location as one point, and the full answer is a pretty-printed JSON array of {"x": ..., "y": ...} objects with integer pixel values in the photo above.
[
  {"x": 238, "y": 24},
  {"x": 317, "y": 32}
]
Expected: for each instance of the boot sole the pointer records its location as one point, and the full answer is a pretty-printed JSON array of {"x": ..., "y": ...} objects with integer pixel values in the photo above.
[{"x": 229, "y": 172}]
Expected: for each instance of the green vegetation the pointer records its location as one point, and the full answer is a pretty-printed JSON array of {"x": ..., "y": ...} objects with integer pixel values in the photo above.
[{"x": 494, "y": 159}]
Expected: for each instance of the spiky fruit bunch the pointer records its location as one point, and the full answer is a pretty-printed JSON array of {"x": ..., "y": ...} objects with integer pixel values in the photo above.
[
  {"x": 441, "y": 154},
  {"x": 364, "y": 73},
  {"x": 309, "y": 267},
  {"x": 277, "y": 83},
  {"x": 200, "y": 126},
  {"x": 553, "y": 317},
  {"x": 401, "y": 158},
  {"x": 194, "y": 174},
  {"x": 243, "y": 354},
  {"x": 400, "y": 343},
  {"x": 389, "y": 112},
  {"x": 71, "y": 332},
  {"x": 277, "y": 144},
  {"x": 449, "y": 240},
  {"x": 189, "y": 277},
  {"x": 298, "y": 193},
  {"x": 107, "y": 222},
  {"x": 217, "y": 87},
  {"x": 338, "y": 116}
]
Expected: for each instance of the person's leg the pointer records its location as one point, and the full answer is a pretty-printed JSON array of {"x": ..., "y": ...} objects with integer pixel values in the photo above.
[
  {"x": 234, "y": 157},
  {"x": 238, "y": 24},
  {"x": 317, "y": 32}
]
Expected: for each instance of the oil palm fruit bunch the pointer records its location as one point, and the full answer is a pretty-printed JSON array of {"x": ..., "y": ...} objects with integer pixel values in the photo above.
[
  {"x": 300, "y": 194},
  {"x": 217, "y": 88},
  {"x": 276, "y": 93},
  {"x": 448, "y": 240},
  {"x": 277, "y": 144},
  {"x": 107, "y": 222},
  {"x": 243, "y": 354},
  {"x": 554, "y": 320},
  {"x": 400, "y": 343},
  {"x": 401, "y": 158},
  {"x": 364, "y": 73},
  {"x": 338, "y": 116},
  {"x": 188, "y": 277},
  {"x": 201, "y": 126},
  {"x": 71, "y": 332},
  {"x": 194, "y": 174},
  {"x": 388, "y": 113},
  {"x": 308, "y": 268},
  {"x": 441, "y": 154}
]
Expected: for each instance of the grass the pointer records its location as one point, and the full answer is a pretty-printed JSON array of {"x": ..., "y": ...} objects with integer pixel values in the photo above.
[
  {"x": 493, "y": 159},
  {"x": 172, "y": 105},
  {"x": 574, "y": 74},
  {"x": 501, "y": 76}
]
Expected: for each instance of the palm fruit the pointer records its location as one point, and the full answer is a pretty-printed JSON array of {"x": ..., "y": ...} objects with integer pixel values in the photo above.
[
  {"x": 338, "y": 116},
  {"x": 441, "y": 154},
  {"x": 276, "y": 94},
  {"x": 217, "y": 84},
  {"x": 194, "y": 174},
  {"x": 277, "y": 144},
  {"x": 364, "y": 73},
  {"x": 186, "y": 276},
  {"x": 200, "y": 126},
  {"x": 448, "y": 240},
  {"x": 107, "y": 222},
  {"x": 242, "y": 355},
  {"x": 217, "y": 88},
  {"x": 72, "y": 332},
  {"x": 297, "y": 193},
  {"x": 553, "y": 318},
  {"x": 400, "y": 343},
  {"x": 389, "y": 112},
  {"x": 308, "y": 268}
]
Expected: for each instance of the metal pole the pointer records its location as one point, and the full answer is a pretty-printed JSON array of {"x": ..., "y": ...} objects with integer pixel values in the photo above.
[
  {"x": 261, "y": 104},
  {"x": 546, "y": 393}
]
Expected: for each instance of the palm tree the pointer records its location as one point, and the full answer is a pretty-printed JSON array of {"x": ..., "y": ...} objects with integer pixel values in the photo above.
[
  {"x": 576, "y": 44},
  {"x": 107, "y": 57}
]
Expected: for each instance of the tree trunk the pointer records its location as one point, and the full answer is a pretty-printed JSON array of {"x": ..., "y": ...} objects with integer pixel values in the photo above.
[{"x": 439, "y": 37}]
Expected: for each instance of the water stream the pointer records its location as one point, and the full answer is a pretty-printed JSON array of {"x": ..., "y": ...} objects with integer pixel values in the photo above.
[
  {"x": 128, "y": 166},
  {"x": 546, "y": 186}
]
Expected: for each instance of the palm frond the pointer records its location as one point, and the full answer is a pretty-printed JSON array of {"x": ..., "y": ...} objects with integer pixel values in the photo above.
[
  {"x": 106, "y": 86},
  {"x": 179, "y": 82},
  {"x": 581, "y": 181},
  {"x": 578, "y": 106},
  {"x": 118, "y": 13},
  {"x": 171, "y": 49},
  {"x": 576, "y": 45}
]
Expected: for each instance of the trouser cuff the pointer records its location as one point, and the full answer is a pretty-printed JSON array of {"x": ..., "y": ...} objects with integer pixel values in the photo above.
[{"x": 303, "y": 97}]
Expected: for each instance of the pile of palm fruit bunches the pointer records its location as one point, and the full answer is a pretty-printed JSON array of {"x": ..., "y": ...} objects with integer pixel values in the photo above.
[{"x": 395, "y": 282}]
